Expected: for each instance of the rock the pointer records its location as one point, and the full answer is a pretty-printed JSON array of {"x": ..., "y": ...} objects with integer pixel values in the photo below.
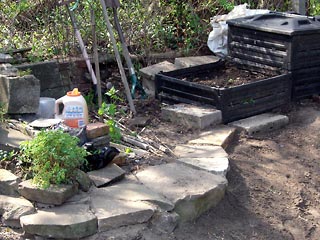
[
  {"x": 12, "y": 208},
  {"x": 219, "y": 136},
  {"x": 70, "y": 221},
  {"x": 261, "y": 123},
  {"x": 8, "y": 70},
  {"x": 185, "y": 62},
  {"x": 84, "y": 181},
  {"x": 134, "y": 192},
  {"x": 120, "y": 159},
  {"x": 55, "y": 194},
  {"x": 8, "y": 183},
  {"x": 106, "y": 175},
  {"x": 97, "y": 129},
  {"x": 192, "y": 191},
  {"x": 164, "y": 222},
  {"x": 113, "y": 213},
  {"x": 20, "y": 94},
  {"x": 191, "y": 116}
]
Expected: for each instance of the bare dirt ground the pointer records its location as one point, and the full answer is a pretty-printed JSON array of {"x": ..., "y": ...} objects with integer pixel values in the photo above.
[{"x": 274, "y": 181}]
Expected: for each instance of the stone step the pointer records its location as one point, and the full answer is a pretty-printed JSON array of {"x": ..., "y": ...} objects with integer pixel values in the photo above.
[
  {"x": 134, "y": 192},
  {"x": 221, "y": 135},
  {"x": 12, "y": 208},
  {"x": 112, "y": 213},
  {"x": 191, "y": 116},
  {"x": 213, "y": 159},
  {"x": 8, "y": 183},
  {"x": 192, "y": 191},
  {"x": 261, "y": 123},
  {"x": 70, "y": 221},
  {"x": 106, "y": 175}
]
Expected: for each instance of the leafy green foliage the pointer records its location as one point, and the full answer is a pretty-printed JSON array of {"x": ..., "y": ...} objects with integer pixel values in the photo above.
[
  {"x": 54, "y": 157},
  {"x": 110, "y": 109},
  {"x": 314, "y": 8}
]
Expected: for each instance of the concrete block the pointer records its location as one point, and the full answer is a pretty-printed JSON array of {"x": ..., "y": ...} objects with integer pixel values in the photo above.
[
  {"x": 20, "y": 94},
  {"x": 148, "y": 75},
  {"x": 185, "y": 62},
  {"x": 261, "y": 123},
  {"x": 191, "y": 116}
]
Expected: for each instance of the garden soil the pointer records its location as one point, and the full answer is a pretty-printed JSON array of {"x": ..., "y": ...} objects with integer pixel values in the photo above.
[{"x": 274, "y": 180}]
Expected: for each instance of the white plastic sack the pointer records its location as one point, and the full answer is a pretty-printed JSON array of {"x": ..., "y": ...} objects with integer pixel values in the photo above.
[{"x": 218, "y": 37}]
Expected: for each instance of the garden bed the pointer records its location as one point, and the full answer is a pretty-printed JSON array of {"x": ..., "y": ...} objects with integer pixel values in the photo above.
[{"x": 237, "y": 93}]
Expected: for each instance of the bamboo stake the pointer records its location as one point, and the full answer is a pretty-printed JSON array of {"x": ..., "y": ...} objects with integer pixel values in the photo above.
[{"x": 116, "y": 52}]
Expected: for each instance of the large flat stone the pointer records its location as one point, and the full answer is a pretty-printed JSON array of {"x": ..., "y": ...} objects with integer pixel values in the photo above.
[
  {"x": 219, "y": 136},
  {"x": 70, "y": 221},
  {"x": 203, "y": 151},
  {"x": 136, "y": 193},
  {"x": 106, "y": 175},
  {"x": 54, "y": 194},
  {"x": 191, "y": 116},
  {"x": 261, "y": 123},
  {"x": 218, "y": 165},
  {"x": 113, "y": 213},
  {"x": 8, "y": 183},
  {"x": 12, "y": 208},
  {"x": 148, "y": 75},
  {"x": 192, "y": 191},
  {"x": 12, "y": 137},
  {"x": 5, "y": 58},
  {"x": 184, "y": 62}
]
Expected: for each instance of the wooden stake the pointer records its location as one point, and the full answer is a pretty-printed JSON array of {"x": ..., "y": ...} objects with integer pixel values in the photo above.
[{"x": 118, "y": 58}]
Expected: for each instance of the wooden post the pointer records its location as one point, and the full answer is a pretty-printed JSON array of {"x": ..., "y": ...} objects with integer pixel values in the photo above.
[{"x": 299, "y": 6}]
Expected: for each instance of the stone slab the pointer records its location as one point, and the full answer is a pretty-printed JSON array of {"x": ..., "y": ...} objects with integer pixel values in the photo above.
[
  {"x": 261, "y": 123},
  {"x": 54, "y": 194},
  {"x": 219, "y": 136},
  {"x": 148, "y": 75},
  {"x": 8, "y": 70},
  {"x": 193, "y": 151},
  {"x": 8, "y": 183},
  {"x": 218, "y": 165},
  {"x": 192, "y": 191},
  {"x": 106, "y": 175},
  {"x": 113, "y": 213},
  {"x": 191, "y": 116},
  {"x": 69, "y": 221},
  {"x": 184, "y": 62},
  {"x": 12, "y": 208},
  {"x": 12, "y": 137},
  {"x": 135, "y": 193}
]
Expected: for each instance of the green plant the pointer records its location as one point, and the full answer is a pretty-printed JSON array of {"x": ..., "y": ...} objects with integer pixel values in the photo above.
[
  {"x": 54, "y": 156},
  {"x": 110, "y": 109},
  {"x": 25, "y": 72}
]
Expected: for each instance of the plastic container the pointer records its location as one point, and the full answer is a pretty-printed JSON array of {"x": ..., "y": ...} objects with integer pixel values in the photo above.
[
  {"x": 46, "y": 107},
  {"x": 73, "y": 109}
]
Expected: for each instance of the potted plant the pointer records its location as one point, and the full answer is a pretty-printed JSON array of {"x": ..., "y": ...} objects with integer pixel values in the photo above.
[{"x": 54, "y": 158}]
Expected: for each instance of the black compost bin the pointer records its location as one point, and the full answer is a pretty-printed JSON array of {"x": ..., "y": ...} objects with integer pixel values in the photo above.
[
  {"x": 235, "y": 102},
  {"x": 279, "y": 42}
]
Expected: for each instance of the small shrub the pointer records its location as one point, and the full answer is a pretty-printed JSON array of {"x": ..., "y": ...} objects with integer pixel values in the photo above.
[{"x": 54, "y": 156}]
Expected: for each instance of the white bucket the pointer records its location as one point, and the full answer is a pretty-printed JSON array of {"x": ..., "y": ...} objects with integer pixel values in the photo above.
[{"x": 46, "y": 107}]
